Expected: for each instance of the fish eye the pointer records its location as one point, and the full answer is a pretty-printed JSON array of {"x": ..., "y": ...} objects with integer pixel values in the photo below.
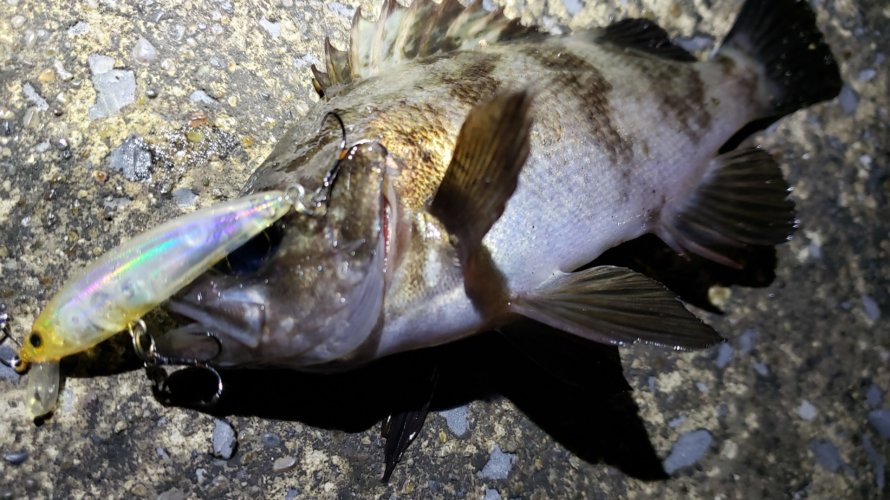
[{"x": 35, "y": 340}]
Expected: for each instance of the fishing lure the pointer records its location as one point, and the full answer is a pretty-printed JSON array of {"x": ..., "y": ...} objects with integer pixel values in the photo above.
[{"x": 114, "y": 292}]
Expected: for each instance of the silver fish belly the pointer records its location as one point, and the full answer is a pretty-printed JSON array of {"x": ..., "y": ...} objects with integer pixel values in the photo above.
[{"x": 594, "y": 138}]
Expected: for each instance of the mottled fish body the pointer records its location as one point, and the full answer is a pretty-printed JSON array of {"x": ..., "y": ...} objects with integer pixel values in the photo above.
[{"x": 505, "y": 160}]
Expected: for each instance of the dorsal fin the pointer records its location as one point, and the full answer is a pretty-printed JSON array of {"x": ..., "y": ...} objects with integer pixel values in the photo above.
[
  {"x": 646, "y": 36},
  {"x": 404, "y": 33}
]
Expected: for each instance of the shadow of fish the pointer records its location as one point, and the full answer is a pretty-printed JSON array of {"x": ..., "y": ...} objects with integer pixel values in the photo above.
[{"x": 487, "y": 161}]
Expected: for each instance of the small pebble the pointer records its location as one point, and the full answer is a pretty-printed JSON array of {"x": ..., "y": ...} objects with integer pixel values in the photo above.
[
  {"x": 18, "y": 21},
  {"x": 491, "y": 494},
  {"x": 874, "y": 396},
  {"x": 849, "y": 100},
  {"x": 880, "y": 420},
  {"x": 807, "y": 411},
  {"x": 201, "y": 97},
  {"x": 224, "y": 440},
  {"x": 747, "y": 340},
  {"x": 15, "y": 458},
  {"x": 132, "y": 158},
  {"x": 151, "y": 93},
  {"x": 184, "y": 197},
  {"x": 100, "y": 64},
  {"x": 271, "y": 440},
  {"x": 272, "y": 28},
  {"x": 457, "y": 420},
  {"x": 573, "y": 7},
  {"x": 761, "y": 368},
  {"x": 34, "y": 98},
  {"x": 79, "y": 28},
  {"x": 144, "y": 52},
  {"x": 867, "y": 74},
  {"x": 724, "y": 355},
  {"x": 871, "y": 308},
  {"x": 172, "y": 494},
  {"x": 498, "y": 465},
  {"x": 878, "y": 464},
  {"x": 827, "y": 455},
  {"x": 283, "y": 464},
  {"x": 688, "y": 450},
  {"x": 341, "y": 9}
]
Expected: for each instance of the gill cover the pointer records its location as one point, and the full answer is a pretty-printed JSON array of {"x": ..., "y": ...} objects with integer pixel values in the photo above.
[{"x": 318, "y": 296}]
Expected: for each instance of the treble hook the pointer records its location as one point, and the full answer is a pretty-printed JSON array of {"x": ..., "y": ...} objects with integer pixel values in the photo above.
[
  {"x": 146, "y": 349},
  {"x": 318, "y": 202},
  {"x": 13, "y": 362}
]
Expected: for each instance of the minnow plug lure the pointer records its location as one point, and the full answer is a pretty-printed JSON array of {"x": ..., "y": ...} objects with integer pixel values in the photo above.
[{"x": 112, "y": 293}]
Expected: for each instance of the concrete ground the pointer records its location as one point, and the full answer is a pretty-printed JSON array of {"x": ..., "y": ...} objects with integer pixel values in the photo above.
[{"x": 116, "y": 116}]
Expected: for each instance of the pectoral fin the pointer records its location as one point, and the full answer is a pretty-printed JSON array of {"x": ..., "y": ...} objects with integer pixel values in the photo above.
[
  {"x": 491, "y": 148},
  {"x": 743, "y": 200},
  {"x": 615, "y": 305}
]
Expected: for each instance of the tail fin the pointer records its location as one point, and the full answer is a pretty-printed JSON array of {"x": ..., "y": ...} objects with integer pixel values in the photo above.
[{"x": 798, "y": 65}]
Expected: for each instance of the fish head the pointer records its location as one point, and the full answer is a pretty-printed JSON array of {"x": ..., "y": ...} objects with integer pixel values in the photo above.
[
  {"x": 313, "y": 289},
  {"x": 47, "y": 340}
]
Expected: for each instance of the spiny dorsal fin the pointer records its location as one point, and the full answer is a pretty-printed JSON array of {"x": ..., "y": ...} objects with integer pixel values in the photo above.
[
  {"x": 404, "y": 33},
  {"x": 646, "y": 36}
]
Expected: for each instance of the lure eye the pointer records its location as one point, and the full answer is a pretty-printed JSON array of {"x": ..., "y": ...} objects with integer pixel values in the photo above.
[{"x": 35, "y": 340}]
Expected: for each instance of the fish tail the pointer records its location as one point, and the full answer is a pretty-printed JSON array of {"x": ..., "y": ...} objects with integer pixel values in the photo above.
[{"x": 798, "y": 67}]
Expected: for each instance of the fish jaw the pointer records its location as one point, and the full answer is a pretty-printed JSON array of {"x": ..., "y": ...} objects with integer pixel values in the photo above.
[{"x": 319, "y": 296}]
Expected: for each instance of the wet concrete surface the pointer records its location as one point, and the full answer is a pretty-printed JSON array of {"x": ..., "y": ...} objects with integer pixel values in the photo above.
[{"x": 114, "y": 117}]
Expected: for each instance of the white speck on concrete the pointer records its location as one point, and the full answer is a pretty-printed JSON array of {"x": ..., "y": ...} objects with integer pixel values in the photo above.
[
  {"x": 724, "y": 355},
  {"x": 144, "y": 52},
  {"x": 880, "y": 420},
  {"x": 871, "y": 308},
  {"x": 283, "y": 464},
  {"x": 79, "y": 28},
  {"x": 100, "y": 64},
  {"x": 573, "y": 7},
  {"x": 457, "y": 420},
  {"x": 343, "y": 10},
  {"x": 499, "y": 464},
  {"x": 491, "y": 494},
  {"x": 807, "y": 411},
  {"x": 272, "y": 28},
  {"x": 676, "y": 421},
  {"x": 688, "y": 450},
  {"x": 305, "y": 60},
  {"x": 223, "y": 440},
  {"x": 184, "y": 197},
  {"x": 34, "y": 97},
  {"x": 202, "y": 97},
  {"x": 61, "y": 71}
]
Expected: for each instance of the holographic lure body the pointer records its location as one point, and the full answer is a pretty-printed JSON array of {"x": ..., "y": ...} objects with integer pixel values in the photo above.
[{"x": 135, "y": 277}]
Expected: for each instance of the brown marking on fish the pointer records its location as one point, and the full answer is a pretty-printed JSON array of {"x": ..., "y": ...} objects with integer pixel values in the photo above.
[
  {"x": 475, "y": 82},
  {"x": 574, "y": 76},
  {"x": 672, "y": 79},
  {"x": 418, "y": 135}
]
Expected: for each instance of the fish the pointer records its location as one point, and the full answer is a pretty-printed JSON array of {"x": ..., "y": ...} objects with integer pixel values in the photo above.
[
  {"x": 116, "y": 290},
  {"x": 490, "y": 163}
]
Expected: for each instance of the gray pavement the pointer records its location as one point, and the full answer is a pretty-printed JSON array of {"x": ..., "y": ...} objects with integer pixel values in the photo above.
[{"x": 115, "y": 116}]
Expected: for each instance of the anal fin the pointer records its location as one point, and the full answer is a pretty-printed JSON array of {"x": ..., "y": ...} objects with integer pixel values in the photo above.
[
  {"x": 615, "y": 305},
  {"x": 743, "y": 200}
]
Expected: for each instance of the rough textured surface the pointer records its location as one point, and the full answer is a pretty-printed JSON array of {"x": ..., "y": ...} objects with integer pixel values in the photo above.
[{"x": 217, "y": 82}]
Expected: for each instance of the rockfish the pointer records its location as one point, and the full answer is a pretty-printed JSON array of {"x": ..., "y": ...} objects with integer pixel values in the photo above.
[{"x": 482, "y": 163}]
